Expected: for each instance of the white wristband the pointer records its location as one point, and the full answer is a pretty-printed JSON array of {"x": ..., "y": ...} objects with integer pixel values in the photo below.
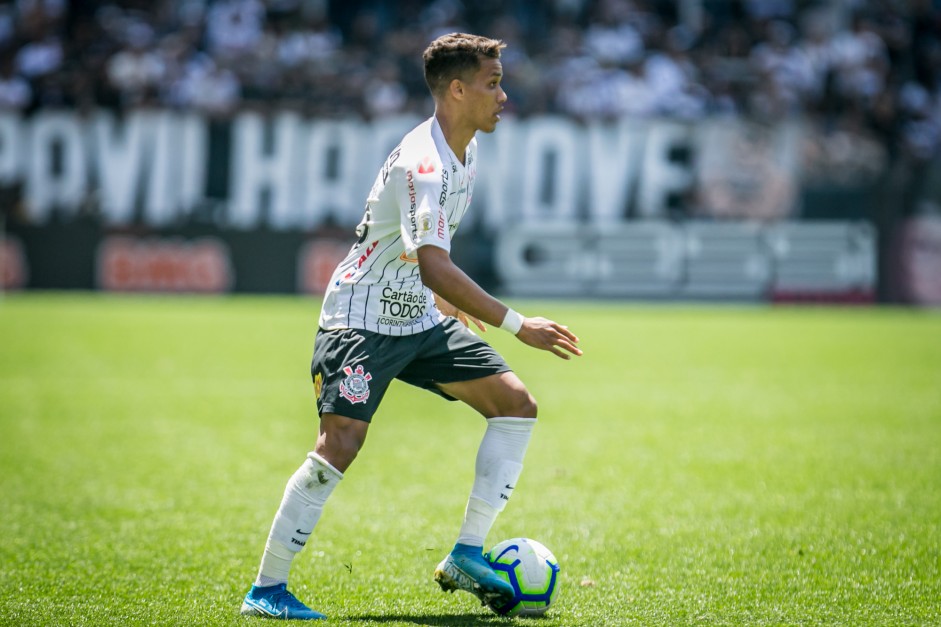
[{"x": 512, "y": 322}]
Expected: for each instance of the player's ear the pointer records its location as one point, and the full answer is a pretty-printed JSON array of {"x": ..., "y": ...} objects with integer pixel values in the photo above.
[{"x": 456, "y": 89}]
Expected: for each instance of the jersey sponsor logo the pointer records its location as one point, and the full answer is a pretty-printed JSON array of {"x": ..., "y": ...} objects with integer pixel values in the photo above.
[
  {"x": 355, "y": 387},
  {"x": 444, "y": 188},
  {"x": 442, "y": 225},
  {"x": 412, "y": 201},
  {"x": 427, "y": 166},
  {"x": 408, "y": 258},
  {"x": 392, "y": 322},
  {"x": 403, "y": 305},
  {"x": 362, "y": 259},
  {"x": 412, "y": 196}
]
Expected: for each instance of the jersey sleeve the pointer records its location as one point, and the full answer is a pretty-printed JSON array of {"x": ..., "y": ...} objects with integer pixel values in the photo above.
[{"x": 420, "y": 195}]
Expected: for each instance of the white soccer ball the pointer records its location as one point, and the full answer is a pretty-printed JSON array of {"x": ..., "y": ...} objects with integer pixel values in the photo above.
[{"x": 532, "y": 570}]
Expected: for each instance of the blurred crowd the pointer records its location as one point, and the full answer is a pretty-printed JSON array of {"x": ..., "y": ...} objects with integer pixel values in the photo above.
[{"x": 873, "y": 66}]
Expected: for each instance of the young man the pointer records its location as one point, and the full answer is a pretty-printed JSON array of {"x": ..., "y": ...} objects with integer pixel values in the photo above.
[{"x": 394, "y": 310}]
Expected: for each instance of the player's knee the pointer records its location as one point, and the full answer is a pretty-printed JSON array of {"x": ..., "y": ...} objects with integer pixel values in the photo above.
[
  {"x": 342, "y": 452},
  {"x": 522, "y": 405},
  {"x": 530, "y": 407},
  {"x": 516, "y": 400},
  {"x": 340, "y": 440}
]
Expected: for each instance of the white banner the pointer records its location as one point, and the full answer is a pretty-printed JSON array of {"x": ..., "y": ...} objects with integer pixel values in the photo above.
[{"x": 286, "y": 172}]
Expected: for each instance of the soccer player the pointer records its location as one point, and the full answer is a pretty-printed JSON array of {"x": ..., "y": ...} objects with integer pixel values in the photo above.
[{"x": 398, "y": 308}]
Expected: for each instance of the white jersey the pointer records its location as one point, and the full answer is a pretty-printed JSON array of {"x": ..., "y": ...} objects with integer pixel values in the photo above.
[{"x": 418, "y": 199}]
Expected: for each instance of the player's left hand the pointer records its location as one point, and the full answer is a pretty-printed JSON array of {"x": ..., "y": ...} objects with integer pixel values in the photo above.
[{"x": 450, "y": 310}]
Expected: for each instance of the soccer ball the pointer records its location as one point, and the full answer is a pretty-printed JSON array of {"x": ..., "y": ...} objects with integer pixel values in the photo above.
[{"x": 531, "y": 569}]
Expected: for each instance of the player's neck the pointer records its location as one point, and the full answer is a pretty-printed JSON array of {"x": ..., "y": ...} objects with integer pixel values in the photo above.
[{"x": 456, "y": 135}]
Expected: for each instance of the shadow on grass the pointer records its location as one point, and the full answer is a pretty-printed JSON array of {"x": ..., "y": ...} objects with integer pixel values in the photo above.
[{"x": 434, "y": 620}]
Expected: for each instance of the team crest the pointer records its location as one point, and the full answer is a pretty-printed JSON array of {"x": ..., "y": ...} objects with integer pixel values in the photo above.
[{"x": 355, "y": 387}]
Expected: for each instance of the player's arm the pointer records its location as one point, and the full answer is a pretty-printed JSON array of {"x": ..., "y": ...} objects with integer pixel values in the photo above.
[
  {"x": 462, "y": 316},
  {"x": 444, "y": 278}
]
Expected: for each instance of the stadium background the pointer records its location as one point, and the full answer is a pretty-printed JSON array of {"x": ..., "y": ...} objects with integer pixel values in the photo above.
[{"x": 780, "y": 150}]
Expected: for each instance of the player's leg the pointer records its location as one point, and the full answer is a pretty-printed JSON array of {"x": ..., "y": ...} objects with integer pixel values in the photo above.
[
  {"x": 301, "y": 506},
  {"x": 460, "y": 366},
  {"x": 350, "y": 385},
  {"x": 511, "y": 414},
  {"x": 306, "y": 493}
]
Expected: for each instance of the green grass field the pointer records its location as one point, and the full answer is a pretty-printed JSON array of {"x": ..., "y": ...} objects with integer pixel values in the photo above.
[{"x": 699, "y": 465}]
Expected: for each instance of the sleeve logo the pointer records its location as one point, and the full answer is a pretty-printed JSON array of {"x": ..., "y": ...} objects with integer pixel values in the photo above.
[
  {"x": 355, "y": 387},
  {"x": 424, "y": 223}
]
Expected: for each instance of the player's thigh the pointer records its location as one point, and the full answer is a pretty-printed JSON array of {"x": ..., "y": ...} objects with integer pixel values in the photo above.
[
  {"x": 352, "y": 369},
  {"x": 502, "y": 394}
]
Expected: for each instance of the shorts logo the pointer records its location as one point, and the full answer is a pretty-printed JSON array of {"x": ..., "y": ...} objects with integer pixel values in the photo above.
[{"x": 355, "y": 387}]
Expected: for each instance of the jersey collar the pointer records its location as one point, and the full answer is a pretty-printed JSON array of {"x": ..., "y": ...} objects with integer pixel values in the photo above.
[{"x": 444, "y": 149}]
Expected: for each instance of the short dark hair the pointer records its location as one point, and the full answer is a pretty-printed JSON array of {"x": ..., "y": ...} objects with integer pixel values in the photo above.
[{"x": 454, "y": 55}]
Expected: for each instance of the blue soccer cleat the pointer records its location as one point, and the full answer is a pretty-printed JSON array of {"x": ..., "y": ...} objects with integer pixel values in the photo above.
[
  {"x": 277, "y": 602},
  {"x": 466, "y": 569}
]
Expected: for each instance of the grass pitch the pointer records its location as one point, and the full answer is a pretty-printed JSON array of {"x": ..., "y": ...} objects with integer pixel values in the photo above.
[{"x": 723, "y": 466}]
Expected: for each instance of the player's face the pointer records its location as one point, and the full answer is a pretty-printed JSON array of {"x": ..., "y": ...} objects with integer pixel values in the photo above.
[{"x": 485, "y": 97}]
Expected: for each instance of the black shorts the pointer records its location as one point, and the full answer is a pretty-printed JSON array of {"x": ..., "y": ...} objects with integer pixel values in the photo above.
[{"x": 352, "y": 368}]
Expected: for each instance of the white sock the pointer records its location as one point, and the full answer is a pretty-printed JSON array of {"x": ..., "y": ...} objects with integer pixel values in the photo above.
[
  {"x": 499, "y": 464},
  {"x": 304, "y": 497}
]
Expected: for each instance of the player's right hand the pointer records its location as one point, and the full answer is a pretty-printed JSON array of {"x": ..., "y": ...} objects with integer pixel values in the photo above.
[{"x": 550, "y": 336}]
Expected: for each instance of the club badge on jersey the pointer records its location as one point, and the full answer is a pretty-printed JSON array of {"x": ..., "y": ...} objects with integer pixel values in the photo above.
[{"x": 355, "y": 387}]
